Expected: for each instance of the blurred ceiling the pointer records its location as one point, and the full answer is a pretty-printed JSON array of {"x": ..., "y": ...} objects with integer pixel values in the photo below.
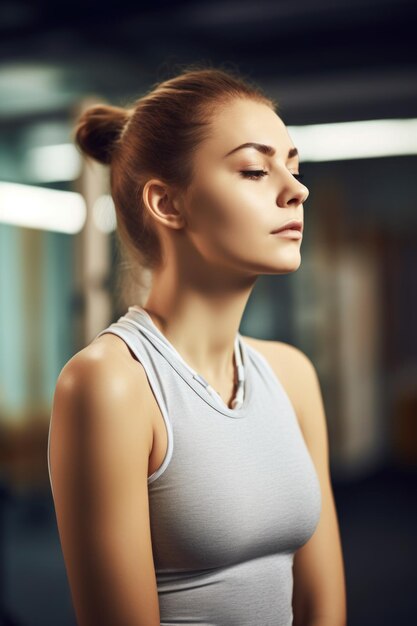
[{"x": 324, "y": 60}]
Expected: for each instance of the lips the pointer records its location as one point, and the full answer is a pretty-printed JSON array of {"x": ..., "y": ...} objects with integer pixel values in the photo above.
[{"x": 293, "y": 225}]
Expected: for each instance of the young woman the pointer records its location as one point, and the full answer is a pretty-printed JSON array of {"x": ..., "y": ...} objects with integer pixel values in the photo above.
[{"x": 189, "y": 463}]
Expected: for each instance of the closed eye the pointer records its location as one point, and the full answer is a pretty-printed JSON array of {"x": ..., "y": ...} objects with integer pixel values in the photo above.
[
  {"x": 258, "y": 174},
  {"x": 253, "y": 174}
]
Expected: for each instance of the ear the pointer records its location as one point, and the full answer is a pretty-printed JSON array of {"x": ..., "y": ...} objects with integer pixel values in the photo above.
[{"x": 161, "y": 202}]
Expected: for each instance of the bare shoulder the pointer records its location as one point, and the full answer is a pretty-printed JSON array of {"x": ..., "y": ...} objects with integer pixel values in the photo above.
[
  {"x": 110, "y": 350},
  {"x": 104, "y": 373},
  {"x": 291, "y": 365},
  {"x": 106, "y": 357}
]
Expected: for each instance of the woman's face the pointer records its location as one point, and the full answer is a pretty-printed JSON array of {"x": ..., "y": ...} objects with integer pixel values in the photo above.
[{"x": 230, "y": 215}]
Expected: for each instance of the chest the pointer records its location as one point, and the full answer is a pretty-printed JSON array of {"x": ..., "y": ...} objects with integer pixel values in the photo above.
[
  {"x": 277, "y": 363},
  {"x": 235, "y": 489}
]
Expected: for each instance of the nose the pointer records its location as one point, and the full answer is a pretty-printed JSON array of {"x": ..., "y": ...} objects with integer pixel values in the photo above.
[{"x": 292, "y": 194}]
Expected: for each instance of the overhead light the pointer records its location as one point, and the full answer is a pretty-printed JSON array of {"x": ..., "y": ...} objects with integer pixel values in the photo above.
[
  {"x": 45, "y": 209},
  {"x": 355, "y": 140},
  {"x": 49, "y": 164}
]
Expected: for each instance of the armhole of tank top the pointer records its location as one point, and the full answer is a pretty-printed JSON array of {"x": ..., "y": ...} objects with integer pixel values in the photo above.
[
  {"x": 132, "y": 344},
  {"x": 170, "y": 447}
]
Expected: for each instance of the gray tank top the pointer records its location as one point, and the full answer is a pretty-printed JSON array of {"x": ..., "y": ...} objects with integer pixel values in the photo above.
[{"x": 237, "y": 492}]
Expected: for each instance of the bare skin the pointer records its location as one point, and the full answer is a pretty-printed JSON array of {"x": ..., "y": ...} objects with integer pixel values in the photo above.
[{"x": 217, "y": 240}]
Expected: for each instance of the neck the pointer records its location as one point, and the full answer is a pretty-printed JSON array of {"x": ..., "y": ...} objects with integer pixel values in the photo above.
[{"x": 201, "y": 326}]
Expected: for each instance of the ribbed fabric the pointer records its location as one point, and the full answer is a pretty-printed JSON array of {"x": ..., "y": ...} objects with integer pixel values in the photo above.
[{"x": 236, "y": 495}]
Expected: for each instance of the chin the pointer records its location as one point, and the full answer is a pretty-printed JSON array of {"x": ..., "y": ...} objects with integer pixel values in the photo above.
[{"x": 288, "y": 262}]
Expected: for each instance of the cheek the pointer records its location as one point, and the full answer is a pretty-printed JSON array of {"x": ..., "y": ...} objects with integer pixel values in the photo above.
[{"x": 229, "y": 211}]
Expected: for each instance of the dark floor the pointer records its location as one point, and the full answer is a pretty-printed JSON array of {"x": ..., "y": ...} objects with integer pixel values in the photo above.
[{"x": 378, "y": 523}]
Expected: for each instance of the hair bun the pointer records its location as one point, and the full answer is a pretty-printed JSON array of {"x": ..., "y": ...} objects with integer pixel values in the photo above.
[{"x": 98, "y": 129}]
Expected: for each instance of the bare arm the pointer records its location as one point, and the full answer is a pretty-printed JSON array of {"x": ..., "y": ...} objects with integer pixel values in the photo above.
[{"x": 100, "y": 443}]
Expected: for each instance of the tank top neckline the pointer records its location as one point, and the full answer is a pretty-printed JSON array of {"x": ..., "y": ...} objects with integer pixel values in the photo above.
[{"x": 140, "y": 317}]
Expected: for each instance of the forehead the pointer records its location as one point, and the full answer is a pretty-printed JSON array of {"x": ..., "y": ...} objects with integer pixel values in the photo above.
[{"x": 241, "y": 121}]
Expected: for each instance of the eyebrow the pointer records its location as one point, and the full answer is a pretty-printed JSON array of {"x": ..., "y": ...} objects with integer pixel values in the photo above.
[{"x": 264, "y": 149}]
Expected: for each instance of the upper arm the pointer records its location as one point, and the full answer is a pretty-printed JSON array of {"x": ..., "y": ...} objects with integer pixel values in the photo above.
[
  {"x": 99, "y": 454},
  {"x": 319, "y": 581}
]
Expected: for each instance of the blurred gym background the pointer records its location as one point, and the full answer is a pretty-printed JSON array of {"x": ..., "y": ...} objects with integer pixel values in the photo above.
[{"x": 344, "y": 75}]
